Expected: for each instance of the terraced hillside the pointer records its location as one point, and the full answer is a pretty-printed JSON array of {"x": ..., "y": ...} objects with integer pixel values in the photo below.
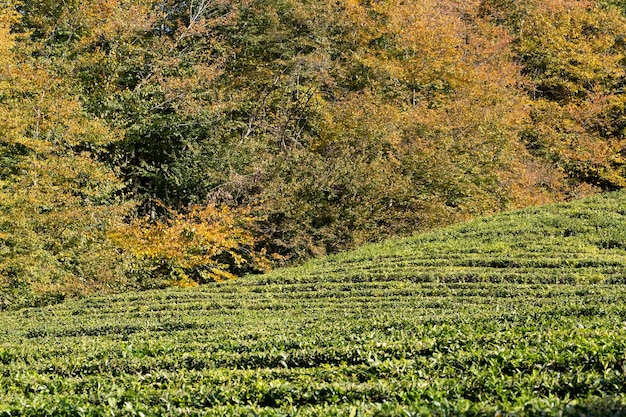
[{"x": 522, "y": 313}]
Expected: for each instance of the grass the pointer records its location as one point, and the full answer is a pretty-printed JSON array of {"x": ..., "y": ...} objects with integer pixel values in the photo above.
[{"x": 522, "y": 313}]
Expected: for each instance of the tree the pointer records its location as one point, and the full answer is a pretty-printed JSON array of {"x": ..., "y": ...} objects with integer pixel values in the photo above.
[
  {"x": 574, "y": 54},
  {"x": 57, "y": 202},
  {"x": 203, "y": 244},
  {"x": 342, "y": 121}
]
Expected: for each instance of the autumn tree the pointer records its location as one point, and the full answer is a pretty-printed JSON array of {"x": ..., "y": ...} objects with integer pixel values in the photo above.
[
  {"x": 405, "y": 135},
  {"x": 200, "y": 245},
  {"x": 324, "y": 117},
  {"x": 340, "y": 122},
  {"x": 56, "y": 201},
  {"x": 573, "y": 54}
]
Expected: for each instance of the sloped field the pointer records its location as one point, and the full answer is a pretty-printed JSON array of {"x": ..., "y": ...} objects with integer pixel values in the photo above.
[{"x": 523, "y": 313}]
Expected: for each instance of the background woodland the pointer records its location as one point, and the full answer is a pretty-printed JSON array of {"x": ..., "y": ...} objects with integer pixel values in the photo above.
[{"x": 147, "y": 143}]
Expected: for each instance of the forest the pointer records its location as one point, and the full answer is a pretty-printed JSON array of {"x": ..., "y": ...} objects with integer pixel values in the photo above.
[{"x": 151, "y": 143}]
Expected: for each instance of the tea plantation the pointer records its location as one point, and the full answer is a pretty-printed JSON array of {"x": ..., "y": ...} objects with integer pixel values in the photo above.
[{"x": 522, "y": 313}]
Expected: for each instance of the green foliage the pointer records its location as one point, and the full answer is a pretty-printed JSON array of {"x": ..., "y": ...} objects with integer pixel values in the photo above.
[
  {"x": 517, "y": 314},
  {"x": 246, "y": 102},
  {"x": 56, "y": 200},
  {"x": 620, "y": 4},
  {"x": 563, "y": 243},
  {"x": 333, "y": 122}
]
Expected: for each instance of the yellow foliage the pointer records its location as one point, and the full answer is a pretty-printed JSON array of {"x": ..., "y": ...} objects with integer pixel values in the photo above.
[
  {"x": 572, "y": 46},
  {"x": 56, "y": 200},
  {"x": 198, "y": 245}
]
